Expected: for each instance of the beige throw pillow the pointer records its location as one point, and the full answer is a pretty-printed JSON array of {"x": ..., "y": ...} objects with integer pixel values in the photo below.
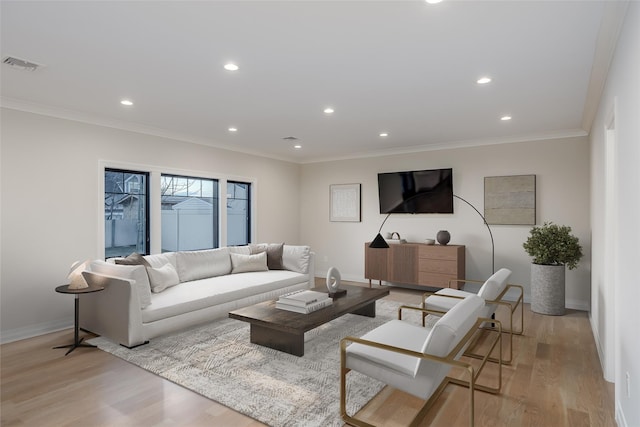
[
  {"x": 163, "y": 277},
  {"x": 245, "y": 263}
]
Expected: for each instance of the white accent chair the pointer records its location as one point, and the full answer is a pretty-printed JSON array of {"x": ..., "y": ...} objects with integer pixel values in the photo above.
[
  {"x": 492, "y": 291},
  {"x": 417, "y": 359}
]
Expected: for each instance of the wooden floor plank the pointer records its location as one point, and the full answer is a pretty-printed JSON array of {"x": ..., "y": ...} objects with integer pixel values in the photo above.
[{"x": 555, "y": 380}]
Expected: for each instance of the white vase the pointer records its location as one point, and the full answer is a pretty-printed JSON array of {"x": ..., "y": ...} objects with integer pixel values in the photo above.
[{"x": 547, "y": 289}]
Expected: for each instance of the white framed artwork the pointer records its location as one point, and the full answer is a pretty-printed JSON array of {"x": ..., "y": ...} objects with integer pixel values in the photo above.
[{"x": 344, "y": 202}]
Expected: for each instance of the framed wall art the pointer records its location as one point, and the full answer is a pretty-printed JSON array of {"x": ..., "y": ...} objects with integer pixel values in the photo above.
[
  {"x": 344, "y": 202},
  {"x": 510, "y": 200}
]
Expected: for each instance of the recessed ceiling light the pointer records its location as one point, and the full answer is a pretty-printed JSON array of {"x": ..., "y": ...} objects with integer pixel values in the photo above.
[
  {"x": 297, "y": 146},
  {"x": 233, "y": 129},
  {"x": 505, "y": 118},
  {"x": 483, "y": 80},
  {"x": 230, "y": 67},
  {"x": 328, "y": 110},
  {"x": 126, "y": 102},
  {"x": 383, "y": 134},
  {"x": 433, "y": 1}
]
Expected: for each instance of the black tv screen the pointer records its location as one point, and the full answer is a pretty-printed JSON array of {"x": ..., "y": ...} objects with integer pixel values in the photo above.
[{"x": 426, "y": 191}]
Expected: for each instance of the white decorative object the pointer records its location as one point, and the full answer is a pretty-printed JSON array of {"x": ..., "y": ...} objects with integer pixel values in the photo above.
[
  {"x": 76, "y": 281},
  {"x": 333, "y": 280}
]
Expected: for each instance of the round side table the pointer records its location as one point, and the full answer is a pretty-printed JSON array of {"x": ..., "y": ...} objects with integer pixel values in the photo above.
[{"x": 64, "y": 289}]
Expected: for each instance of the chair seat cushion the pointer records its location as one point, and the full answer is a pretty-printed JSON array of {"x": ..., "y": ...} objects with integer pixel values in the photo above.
[
  {"x": 441, "y": 301},
  {"x": 396, "y": 333}
]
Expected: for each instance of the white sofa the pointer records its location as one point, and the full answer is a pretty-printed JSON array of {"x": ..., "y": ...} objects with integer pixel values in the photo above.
[{"x": 182, "y": 289}]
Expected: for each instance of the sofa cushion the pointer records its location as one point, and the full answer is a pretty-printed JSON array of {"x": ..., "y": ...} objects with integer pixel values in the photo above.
[
  {"x": 195, "y": 265},
  {"x": 158, "y": 260},
  {"x": 296, "y": 258},
  {"x": 246, "y": 250},
  {"x": 133, "y": 259},
  {"x": 274, "y": 254},
  {"x": 138, "y": 273},
  {"x": 203, "y": 293},
  {"x": 241, "y": 263},
  {"x": 163, "y": 277}
]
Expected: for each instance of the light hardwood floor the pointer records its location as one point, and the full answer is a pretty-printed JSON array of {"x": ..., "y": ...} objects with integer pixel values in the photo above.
[{"x": 555, "y": 380}]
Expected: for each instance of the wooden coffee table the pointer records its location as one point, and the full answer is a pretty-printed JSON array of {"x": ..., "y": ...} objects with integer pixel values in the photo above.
[{"x": 284, "y": 330}]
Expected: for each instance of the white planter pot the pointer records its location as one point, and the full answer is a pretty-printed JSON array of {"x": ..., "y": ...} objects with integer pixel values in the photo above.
[{"x": 547, "y": 289}]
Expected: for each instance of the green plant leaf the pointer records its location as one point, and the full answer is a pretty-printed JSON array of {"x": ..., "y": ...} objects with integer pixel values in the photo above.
[{"x": 552, "y": 244}]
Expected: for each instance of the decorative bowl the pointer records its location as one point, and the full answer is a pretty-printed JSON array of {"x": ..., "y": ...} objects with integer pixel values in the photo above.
[{"x": 429, "y": 241}]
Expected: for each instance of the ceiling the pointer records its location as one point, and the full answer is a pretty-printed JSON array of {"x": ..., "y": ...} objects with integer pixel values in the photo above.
[{"x": 407, "y": 68}]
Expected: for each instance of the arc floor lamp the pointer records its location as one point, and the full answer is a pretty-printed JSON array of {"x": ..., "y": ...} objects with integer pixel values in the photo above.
[{"x": 380, "y": 243}]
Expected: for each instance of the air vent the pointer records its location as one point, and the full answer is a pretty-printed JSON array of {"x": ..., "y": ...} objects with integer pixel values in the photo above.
[
  {"x": 21, "y": 63},
  {"x": 290, "y": 138}
]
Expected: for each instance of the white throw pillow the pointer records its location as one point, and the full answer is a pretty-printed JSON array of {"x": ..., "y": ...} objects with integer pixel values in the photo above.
[
  {"x": 194, "y": 265},
  {"x": 131, "y": 272},
  {"x": 296, "y": 258},
  {"x": 245, "y": 250},
  {"x": 245, "y": 263},
  {"x": 158, "y": 260},
  {"x": 163, "y": 277}
]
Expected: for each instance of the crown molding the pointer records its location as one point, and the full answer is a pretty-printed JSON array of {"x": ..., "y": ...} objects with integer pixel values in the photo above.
[
  {"x": 541, "y": 136},
  {"x": 95, "y": 119}
]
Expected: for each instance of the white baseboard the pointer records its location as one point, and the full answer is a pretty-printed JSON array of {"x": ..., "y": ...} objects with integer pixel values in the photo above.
[
  {"x": 620, "y": 419},
  {"x": 18, "y": 334}
]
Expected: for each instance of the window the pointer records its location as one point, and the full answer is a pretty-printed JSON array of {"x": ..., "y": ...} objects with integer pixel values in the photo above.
[
  {"x": 238, "y": 213},
  {"x": 126, "y": 213},
  {"x": 189, "y": 213}
]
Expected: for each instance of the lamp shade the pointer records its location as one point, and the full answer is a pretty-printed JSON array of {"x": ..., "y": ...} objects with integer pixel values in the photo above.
[
  {"x": 76, "y": 281},
  {"x": 379, "y": 242}
]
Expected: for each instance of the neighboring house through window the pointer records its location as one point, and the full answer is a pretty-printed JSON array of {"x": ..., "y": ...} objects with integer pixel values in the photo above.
[
  {"x": 189, "y": 213},
  {"x": 126, "y": 213}
]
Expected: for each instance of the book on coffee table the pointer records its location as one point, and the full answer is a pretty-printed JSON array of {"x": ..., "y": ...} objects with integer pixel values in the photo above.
[
  {"x": 303, "y": 298},
  {"x": 309, "y": 308}
]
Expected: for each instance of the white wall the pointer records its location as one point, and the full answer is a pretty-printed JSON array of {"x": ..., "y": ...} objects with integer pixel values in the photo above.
[
  {"x": 50, "y": 174},
  {"x": 561, "y": 167},
  {"x": 614, "y": 317}
]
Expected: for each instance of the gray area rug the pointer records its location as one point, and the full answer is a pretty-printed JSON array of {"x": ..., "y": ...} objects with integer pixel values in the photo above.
[{"x": 217, "y": 360}]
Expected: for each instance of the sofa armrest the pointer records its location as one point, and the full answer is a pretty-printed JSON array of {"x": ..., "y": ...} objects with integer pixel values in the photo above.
[{"x": 113, "y": 313}]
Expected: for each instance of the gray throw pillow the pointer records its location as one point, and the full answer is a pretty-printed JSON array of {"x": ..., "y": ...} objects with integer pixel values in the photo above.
[
  {"x": 274, "y": 254},
  {"x": 133, "y": 259}
]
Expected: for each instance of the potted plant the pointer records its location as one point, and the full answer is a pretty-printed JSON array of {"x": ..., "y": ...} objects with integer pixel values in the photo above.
[{"x": 553, "y": 248}]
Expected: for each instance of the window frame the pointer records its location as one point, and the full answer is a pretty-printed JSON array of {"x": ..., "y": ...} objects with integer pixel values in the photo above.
[
  {"x": 147, "y": 219},
  {"x": 216, "y": 218},
  {"x": 249, "y": 221},
  {"x": 154, "y": 203}
]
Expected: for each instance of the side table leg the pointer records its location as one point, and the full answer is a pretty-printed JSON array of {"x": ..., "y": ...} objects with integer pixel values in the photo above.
[{"x": 77, "y": 341}]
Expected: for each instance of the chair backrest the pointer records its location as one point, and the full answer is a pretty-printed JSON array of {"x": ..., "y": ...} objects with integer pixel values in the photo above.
[
  {"x": 494, "y": 285},
  {"x": 444, "y": 337},
  {"x": 450, "y": 328}
]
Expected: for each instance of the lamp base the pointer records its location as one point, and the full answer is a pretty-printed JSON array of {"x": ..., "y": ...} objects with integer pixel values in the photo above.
[{"x": 337, "y": 294}]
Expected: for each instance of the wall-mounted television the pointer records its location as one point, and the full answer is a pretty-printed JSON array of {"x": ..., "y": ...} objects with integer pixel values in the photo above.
[{"x": 425, "y": 191}]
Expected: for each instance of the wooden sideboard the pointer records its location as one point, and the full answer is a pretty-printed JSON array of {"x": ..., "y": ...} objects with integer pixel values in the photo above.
[{"x": 415, "y": 264}]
